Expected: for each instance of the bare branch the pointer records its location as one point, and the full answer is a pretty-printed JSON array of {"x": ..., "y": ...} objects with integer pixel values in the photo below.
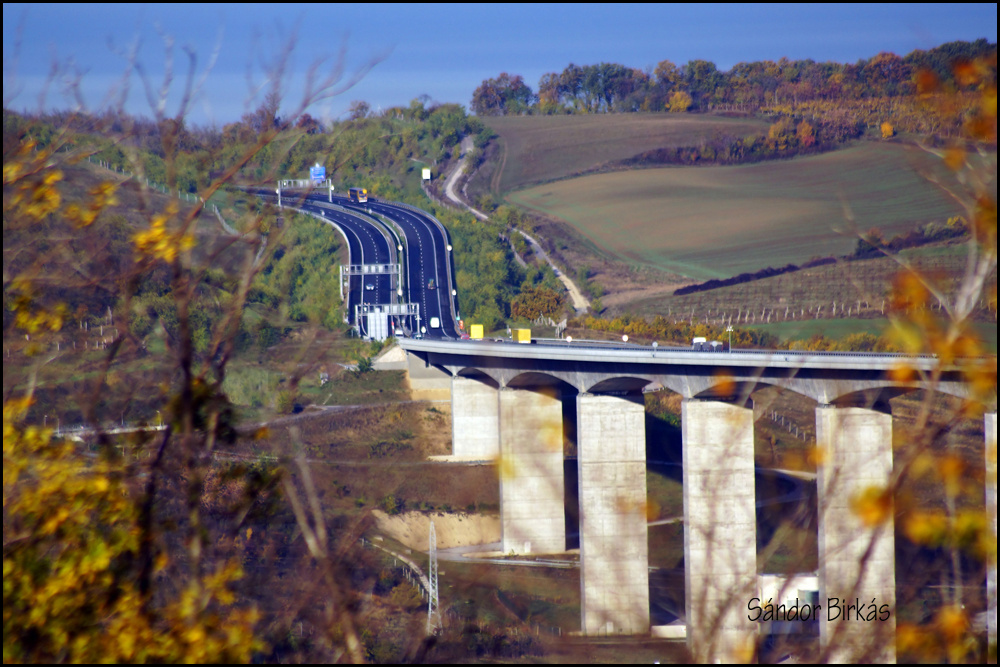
[{"x": 11, "y": 86}]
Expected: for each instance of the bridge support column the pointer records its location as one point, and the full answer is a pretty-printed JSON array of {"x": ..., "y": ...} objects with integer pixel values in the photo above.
[
  {"x": 475, "y": 422},
  {"x": 856, "y": 559},
  {"x": 991, "y": 516},
  {"x": 532, "y": 484},
  {"x": 720, "y": 530},
  {"x": 614, "y": 550}
]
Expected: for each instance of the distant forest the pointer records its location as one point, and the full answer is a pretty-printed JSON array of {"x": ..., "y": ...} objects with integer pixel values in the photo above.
[{"x": 785, "y": 86}]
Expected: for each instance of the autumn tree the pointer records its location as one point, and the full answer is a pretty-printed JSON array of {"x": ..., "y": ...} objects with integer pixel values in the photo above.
[
  {"x": 781, "y": 135},
  {"x": 887, "y": 74},
  {"x": 667, "y": 75},
  {"x": 679, "y": 102},
  {"x": 533, "y": 302},
  {"x": 549, "y": 93},
  {"x": 805, "y": 134},
  {"x": 309, "y": 125},
  {"x": 265, "y": 117},
  {"x": 701, "y": 81},
  {"x": 505, "y": 95},
  {"x": 359, "y": 109}
]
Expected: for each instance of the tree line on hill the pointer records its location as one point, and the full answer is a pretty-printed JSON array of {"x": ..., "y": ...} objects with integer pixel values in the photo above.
[
  {"x": 699, "y": 85},
  {"x": 783, "y": 86}
]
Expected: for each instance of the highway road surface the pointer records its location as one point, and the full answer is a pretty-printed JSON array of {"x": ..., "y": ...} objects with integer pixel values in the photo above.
[
  {"x": 427, "y": 259},
  {"x": 429, "y": 271}
]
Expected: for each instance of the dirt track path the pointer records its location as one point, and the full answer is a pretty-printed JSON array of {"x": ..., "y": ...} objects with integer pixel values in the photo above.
[
  {"x": 580, "y": 304},
  {"x": 449, "y": 187}
]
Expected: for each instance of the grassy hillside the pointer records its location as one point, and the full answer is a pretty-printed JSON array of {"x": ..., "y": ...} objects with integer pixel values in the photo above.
[
  {"x": 709, "y": 222},
  {"x": 534, "y": 149}
]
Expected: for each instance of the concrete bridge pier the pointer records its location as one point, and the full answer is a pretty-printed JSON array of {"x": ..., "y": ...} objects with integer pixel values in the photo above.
[
  {"x": 475, "y": 432},
  {"x": 532, "y": 483},
  {"x": 614, "y": 549},
  {"x": 991, "y": 516},
  {"x": 856, "y": 534},
  {"x": 720, "y": 530}
]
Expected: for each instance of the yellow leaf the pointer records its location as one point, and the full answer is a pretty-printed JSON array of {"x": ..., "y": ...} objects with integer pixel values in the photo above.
[
  {"x": 952, "y": 623},
  {"x": 926, "y": 528},
  {"x": 818, "y": 456},
  {"x": 902, "y": 373},
  {"x": 951, "y": 468},
  {"x": 954, "y": 158},
  {"x": 873, "y": 506}
]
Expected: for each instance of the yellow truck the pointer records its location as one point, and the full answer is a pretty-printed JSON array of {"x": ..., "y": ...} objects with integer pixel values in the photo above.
[
  {"x": 521, "y": 335},
  {"x": 476, "y": 331}
]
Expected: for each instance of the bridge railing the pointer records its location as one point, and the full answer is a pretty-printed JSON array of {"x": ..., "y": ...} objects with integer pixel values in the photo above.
[{"x": 615, "y": 345}]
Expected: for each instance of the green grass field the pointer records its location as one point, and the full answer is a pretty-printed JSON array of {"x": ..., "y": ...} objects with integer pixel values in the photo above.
[
  {"x": 546, "y": 148},
  {"x": 714, "y": 222}
]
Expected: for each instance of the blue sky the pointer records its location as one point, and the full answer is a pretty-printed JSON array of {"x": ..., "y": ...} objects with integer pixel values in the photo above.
[{"x": 443, "y": 51}]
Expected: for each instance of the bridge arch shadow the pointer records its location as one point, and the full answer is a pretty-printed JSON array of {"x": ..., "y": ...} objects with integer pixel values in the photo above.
[
  {"x": 625, "y": 384},
  {"x": 479, "y": 376},
  {"x": 872, "y": 399}
]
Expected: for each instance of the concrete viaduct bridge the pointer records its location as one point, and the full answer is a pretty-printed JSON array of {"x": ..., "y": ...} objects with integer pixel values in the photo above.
[{"x": 507, "y": 402}]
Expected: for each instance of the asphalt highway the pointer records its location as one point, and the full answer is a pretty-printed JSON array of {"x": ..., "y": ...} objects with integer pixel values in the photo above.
[
  {"x": 428, "y": 281},
  {"x": 374, "y": 248},
  {"x": 427, "y": 259},
  {"x": 367, "y": 242}
]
